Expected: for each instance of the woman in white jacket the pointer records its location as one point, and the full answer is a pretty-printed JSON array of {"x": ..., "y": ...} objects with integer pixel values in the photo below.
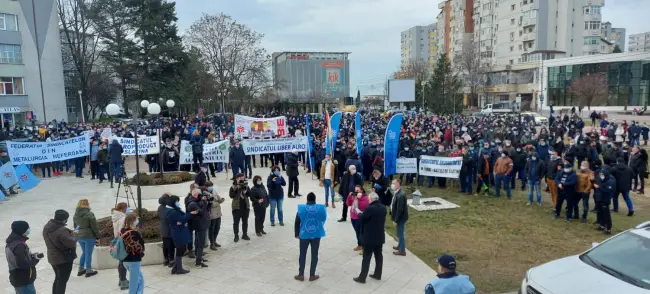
[{"x": 117, "y": 216}]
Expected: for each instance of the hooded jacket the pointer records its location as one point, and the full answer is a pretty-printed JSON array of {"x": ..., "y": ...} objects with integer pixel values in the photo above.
[
  {"x": 623, "y": 175},
  {"x": 85, "y": 220},
  {"x": 257, "y": 193},
  {"x": 117, "y": 217},
  {"x": 22, "y": 266},
  {"x": 115, "y": 152},
  {"x": 606, "y": 189},
  {"x": 165, "y": 231},
  {"x": 215, "y": 211},
  {"x": 61, "y": 245}
]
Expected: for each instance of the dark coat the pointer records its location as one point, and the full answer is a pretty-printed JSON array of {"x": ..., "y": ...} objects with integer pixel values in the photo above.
[
  {"x": 165, "y": 231},
  {"x": 606, "y": 188},
  {"x": 199, "y": 221},
  {"x": 639, "y": 163},
  {"x": 399, "y": 209},
  {"x": 22, "y": 266},
  {"x": 237, "y": 156},
  {"x": 381, "y": 188},
  {"x": 275, "y": 189},
  {"x": 373, "y": 220},
  {"x": 115, "y": 151},
  {"x": 538, "y": 165},
  {"x": 61, "y": 244},
  {"x": 345, "y": 183},
  {"x": 259, "y": 192},
  {"x": 179, "y": 232},
  {"x": 200, "y": 179},
  {"x": 292, "y": 165},
  {"x": 623, "y": 175}
]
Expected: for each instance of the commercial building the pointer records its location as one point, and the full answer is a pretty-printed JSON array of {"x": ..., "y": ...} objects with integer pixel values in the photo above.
[
  {"x": 616, "y": 36},
  {"x": 31, "y": 71},
  {"x": 640, "y": 42},
  {"x": 311, "y": 77},
  {"x": 420, "y": 44},
  {"x": 627, "y": 74}
]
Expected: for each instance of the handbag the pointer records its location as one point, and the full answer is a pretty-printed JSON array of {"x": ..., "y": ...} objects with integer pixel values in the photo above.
[{"x": 69, "y": 254}]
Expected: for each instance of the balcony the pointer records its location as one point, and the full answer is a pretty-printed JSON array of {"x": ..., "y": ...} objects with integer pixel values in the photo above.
[
  {"x": 528, "y": 36},
  {"x": 595, "y": 2},
  {"x": 591, "y": 48},
  {"x": 592, "y": 17},
  {"x": 591, "y": 33}
]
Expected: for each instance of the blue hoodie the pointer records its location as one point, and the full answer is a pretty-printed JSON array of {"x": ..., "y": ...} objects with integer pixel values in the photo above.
[
  {"x": 542, "y": 151},
  {"x": 607, "y": 188}
]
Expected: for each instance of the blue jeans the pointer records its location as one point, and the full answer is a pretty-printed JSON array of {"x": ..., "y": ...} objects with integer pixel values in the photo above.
[
  {"x": 327, "y": 184},
  {"x": 466, "y": 184},
  {"x": 117, "y": 170},
  {"x": 534, "y": 185},
  {"x": 521, "y": 175},
  {"x": 29, "y": 289},
  {"x": 636, "y": 141},
  {"x": 79, "y": 168},
  {"x": 506, "y": 182},
  {"x": 86, "y": 259},
  {"x": 401, "y": 240},
  {"x": 421, "y": 180},
  {"x": 628, "y": 201},
  {"x": 277, "y": 203},
  {"x": 302, "y": 257},
  {"x": 136, "y": 280}
]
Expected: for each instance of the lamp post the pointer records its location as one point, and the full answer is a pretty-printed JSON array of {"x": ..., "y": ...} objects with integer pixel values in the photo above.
[
  {"x": 81, "y": 102},
  {"x": 170, "y": 104},
  {"x": 154, "y": 109}
]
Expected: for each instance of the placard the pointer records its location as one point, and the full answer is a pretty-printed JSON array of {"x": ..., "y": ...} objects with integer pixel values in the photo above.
[
  {"x": 279, "y": 145},
  {"x": 253, "y": 127},
  {"x": 214, "y": 152},
  {"x": 40, "y": 152},
  {"x": 407, "y": 165},
  {"x": 146, "y": 145},
  {"x": 445, "y": 167}
]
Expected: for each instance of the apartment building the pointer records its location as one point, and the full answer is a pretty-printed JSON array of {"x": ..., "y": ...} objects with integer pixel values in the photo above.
[
  {"x": 455, "y": 27},
  {"x": 31, "y": 70},
  {"x": 640, "y": 42},
  {"x": 419, "y": 43},
  {"x": 616, "y": 36}
]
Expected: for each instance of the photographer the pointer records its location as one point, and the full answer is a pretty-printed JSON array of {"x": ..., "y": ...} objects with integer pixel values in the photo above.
[
  {"x": 115, "y": 151},
  {"x": 61, "y": 249},
  {"x": 22, "y": 262},
  {"x": 201, "y": 202},
  {"x": 239, "y": 193}
]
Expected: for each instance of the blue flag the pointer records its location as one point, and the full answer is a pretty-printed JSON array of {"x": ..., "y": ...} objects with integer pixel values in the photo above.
[
  {"x": 357, "y": 132},
  {"x": 310, "y": 147},
  {"x": 26, "y": 179},
  {"x": 391, "y": 144},
  {"x": 335, "y": 124},
  {"x": 7, "y": 177}
]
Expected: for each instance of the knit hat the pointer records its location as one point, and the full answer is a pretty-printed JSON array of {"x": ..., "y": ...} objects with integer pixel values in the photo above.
[
  {"x": 61, "y": 215},
  {"x": 19, "y": 227}
]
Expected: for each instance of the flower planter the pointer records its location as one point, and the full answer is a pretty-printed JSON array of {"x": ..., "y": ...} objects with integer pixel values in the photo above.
[{"x": 153, "y": 255}]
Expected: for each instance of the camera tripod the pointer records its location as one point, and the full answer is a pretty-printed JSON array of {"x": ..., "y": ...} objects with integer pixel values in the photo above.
[{"x": 124, "y": 182}]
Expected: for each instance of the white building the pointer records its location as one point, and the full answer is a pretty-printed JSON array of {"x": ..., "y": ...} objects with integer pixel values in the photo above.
[
  {"x": 419, "y": 43},
  {"x": 640, "y": 42},
  {"x": 31, "y": 71}
]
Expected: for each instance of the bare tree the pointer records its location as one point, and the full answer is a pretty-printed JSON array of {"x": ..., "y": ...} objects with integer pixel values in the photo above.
[
  {"x": 473, "y": 70},
  {"x": 419, "y": 70},
  {"x": 590, "y": 89}
]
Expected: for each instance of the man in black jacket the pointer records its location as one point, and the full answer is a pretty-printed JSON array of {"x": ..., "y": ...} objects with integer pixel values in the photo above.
[
  {"x": 535, "y": 171},
  {"x": 22, "y": 262},
  {"x": 399, "y": 214},
  {"x": 639, "y": 165},
  {"x": 237, "y": 159},
  {"x": 372, "y": 238},
  {"x": 623, "y": 175},
  {"x": 200, "y": 222},
  {"x": 605, "y": 186},
  {"x": 553, "y": 165},
  {"x": 349, "y": 181},
  {"x": 292, "y": 173},
  {"x": 380, "y": 186}
]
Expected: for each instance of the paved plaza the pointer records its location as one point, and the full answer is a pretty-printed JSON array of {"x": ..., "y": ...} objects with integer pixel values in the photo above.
[{"x": 262, "y": 265}]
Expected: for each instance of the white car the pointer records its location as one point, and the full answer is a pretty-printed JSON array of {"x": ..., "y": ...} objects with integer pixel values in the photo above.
[
  {"x": 539, "y": 119},
  {"x": 621, "y": 264}
]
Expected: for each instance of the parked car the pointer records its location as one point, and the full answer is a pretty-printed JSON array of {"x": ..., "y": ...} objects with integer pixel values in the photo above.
[
  {"x": 620, "y": 264},
  {"x": 539, "y": 119}
]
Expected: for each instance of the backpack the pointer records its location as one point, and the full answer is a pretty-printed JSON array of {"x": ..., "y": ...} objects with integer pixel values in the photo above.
[{"x": 117, "y": 249}]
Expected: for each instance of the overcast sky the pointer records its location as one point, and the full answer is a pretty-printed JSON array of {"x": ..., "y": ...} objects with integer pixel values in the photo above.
[{"x": 369, "y": 29}]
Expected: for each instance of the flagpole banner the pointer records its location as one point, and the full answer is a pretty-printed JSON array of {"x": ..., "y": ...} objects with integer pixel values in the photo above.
[
  {"x": 7, "y": 177},
  {"x": 391, "y": 144},
  {"x": 26, "y": 179},
  {"x": 310, "y": 146},
  {"x": 328, "y": 134},
  {"x": 279, "y": 145},
  {"x": 214, "y": 152},
  {"x": 40, "y": 152},
  {"x": 407, "y": 166},
  {"x": 335, "y": 125},
  {"x": 251, "y": 127},
  {"x": 445, "y": 167},
  {"x": 357, "y": 132},
  {"x": 146, "y": 145}
]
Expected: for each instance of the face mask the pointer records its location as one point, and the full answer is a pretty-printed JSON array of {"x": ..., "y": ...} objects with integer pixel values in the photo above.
[
  {"x": 518, "y": 150},
  {"x": 392, "y": 187},
  {"x": 29, "y": 231},
  {"x": 169, "y": 146},
  {"x": 137, "y": 221},
  {"x": 354, "y": 171},
  {"x": 534, "y": 158},
  {"x": 211, "y": 189},
  {"x": 178, "y": 204},
  {"x": 507, "y": 144},
  {"x": 503, "y": 155},
  {"x": 259, "y": 183},
  {"x": 602, "y": 178},
  {"x": 543, "y": 144},
  {"x": 276, "y": 173},
  {"x": 407, "y": 149},
  {"x": 566, "y": 170}
]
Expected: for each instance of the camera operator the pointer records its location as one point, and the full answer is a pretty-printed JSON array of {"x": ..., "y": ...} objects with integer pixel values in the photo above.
[
  {"x": 115, "y": 151},
  {"x": 22, "y": 262},
  {"x": 201, "y": 202},
  {"x": 239, "y": 193}
]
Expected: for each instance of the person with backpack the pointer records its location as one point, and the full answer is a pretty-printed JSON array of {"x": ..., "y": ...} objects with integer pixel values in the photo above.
[
  {"x": 134, "y": 248},
  {"x": 61, "y": 249},
  {"x": 177, "y": 220},
  {"x": 118, "y": 214}
]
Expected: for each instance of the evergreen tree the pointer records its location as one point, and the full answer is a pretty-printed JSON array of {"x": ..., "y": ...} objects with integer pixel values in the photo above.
[
  {"x": 357, "y": 101},
  {"x": 442, "y": 92},
  {"x": 617, "y": 49}
]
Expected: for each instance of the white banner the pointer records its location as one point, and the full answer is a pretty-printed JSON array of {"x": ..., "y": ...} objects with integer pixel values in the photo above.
[
  {"x": 279, "y": 145},
  {"x": 146, "y": 145},
  {"x": 40, "y": 152},
  {"x": 253, "y": 127},
  {"x": 445, "y": 167},
  {"x": 407, "y": 165},
  {"x": 215, "y": 152},
  {"x": 106, "y": 133}
]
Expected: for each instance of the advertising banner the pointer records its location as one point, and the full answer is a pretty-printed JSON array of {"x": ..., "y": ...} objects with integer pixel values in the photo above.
[
  {"x": 215, "y": 152},
  {"x": 446, "y": 167},
  {"x": 40, "y": 152},
  {"x": 391, "y": 144},
  {"x": 407, "y": 165},
  {"x": 333, "y": 75},
  {"x": 253, "y": 127},
  {"x": 146, "y": 145},
  {"x": 279, "y": 145}
]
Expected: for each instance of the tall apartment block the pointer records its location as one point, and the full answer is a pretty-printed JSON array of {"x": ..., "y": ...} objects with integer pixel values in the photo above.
[
  {"x": 616, "y": 36},
  {"x": 640, "y": 42},
  {"x": 420, "y": 43}
]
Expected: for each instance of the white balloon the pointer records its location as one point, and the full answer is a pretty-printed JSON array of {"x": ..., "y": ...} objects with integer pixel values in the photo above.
[
  {"x": 112, "y": 109},
  {"x": 153, "y": 108},
  {"x": 144, "y": 103},
  {"x": 170, "y": 103}
]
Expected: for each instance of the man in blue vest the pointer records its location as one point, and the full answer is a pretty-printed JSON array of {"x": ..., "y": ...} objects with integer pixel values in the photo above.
[
  {"x": 309, "y": 228},
  {"x": 449, "y": 282}
]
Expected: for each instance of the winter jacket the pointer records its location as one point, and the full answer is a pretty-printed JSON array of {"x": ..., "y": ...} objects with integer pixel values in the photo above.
[
  {"x": 237, "y": 156},
  {"x": 519, "y": 159},
  {"x": 536, "y": 166},
  {"x": 623, "y": 175},
  {"x": 373, "y": 220},
  {"x": 468, "y": 166},
  {"x": 61, "y": 244},
  {"x": 178, "y": 220},
  {"x": 503, "y": 166},
  {"x": 257, "y": 193},
  {"x": 85, "y": 220},
  {"x": 381, "y": 188},
  {"x": 639, "y": 162},
  {"x": 568, "y": 181},
  {"x": 361, "y": 202},
  {"x": 292, "y": 165},
  {"x": 215, "y": 211},
  {"x": 133, "y": 244},
  {"x": 197, "y": 144},
  {"x": 606, "y": 188},
  {"x": 22, "y": 265},
  {"x": 274, "y": 187},
  {"x": 200, "y": 179},
  {"x": 346, "y": 186},
  {"x": 199, "y": 221},
  {"x": 584, "y": 181},
  {"x": 162, "y": 216},
  {"x": 115, "y": 151},
  {"x": 332, "y": 171},
  {"x": 239, "y": 194},
  {"x": 552, "y": 167},
  {"x": 117, "y": 217},
  {"x": 399, "y": 211}
]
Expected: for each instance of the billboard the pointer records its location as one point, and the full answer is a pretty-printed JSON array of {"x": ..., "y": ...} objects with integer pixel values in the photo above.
[
  {"x": 401, "y": 90},
  {"x": 333, "y": 75}
]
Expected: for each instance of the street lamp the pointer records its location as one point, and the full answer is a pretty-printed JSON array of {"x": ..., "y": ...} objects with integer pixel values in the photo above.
[
  {"x": 83, "y": 116},
  {"x": 154, "y": 109}
]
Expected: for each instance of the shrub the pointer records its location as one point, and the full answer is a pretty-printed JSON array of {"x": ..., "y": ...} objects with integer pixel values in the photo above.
[
  {"x": 150, "y": 230},
  {"x": 168, "y": 178},
  {"x": 186, "y": 176},
  {"x": 175, "y": 180},
  {"x": 157, "y": 181}
]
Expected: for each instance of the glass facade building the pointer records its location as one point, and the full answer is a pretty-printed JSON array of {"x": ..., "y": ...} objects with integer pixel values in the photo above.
[{"x": 628, "y": 82}]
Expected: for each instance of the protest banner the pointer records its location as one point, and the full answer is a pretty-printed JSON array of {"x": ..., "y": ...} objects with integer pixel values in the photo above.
[
  {"x": 40, "y": 152},
  {"x": 26, "y": 179},
  {"x": 253, "y": 127},
  {"x": 215, "y": 152},
  {"x": 445, "y": 167},
  {"x": 106, "y": 133},
  {"x": 279, "y": 145},
  {"x": 146, "y": 145},
  {"x": 407, "y": 165}
]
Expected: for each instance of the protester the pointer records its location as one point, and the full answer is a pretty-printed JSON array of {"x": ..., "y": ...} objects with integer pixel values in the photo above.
[
  {"x": 22, "y": 262},
  {"x": 448, "y": 281},
  {"x": 275, "y": 182},
  {"x": 605, "y": 191},
  {"x": 239, "y": 193},
  {"x": 87, "y": 235},
  {"x": 115, "y": 151},
  {"x": 328, "y": 178},
  {"x": 349, "y": 181},
  {"x": 215, "y": 217},
  {"x": 118, "y": 214},
  {"x": 134, "y": 247},
  {"x": 237, "y": 159},
  {"x": 309, "y": 228},
  {"x": 102, "y": 163},
  {"x": 553, "y": 166},
  {"x": 200, "y": 203},
  {"x": 380, "y": 185},
  {"x": 358, "y": 202},
  {"x": 165, "y": 232},
  {"x": 623, "y": 175},
  {"x": 200, "y": 177},
  {"x": 399, "y": 214},
  {"x": 639, "y": 165},
  {"x": 502, "y": 173},
  {"x": 372, "y": 238},
  {"x": 566, "y": 182},
  {"x": 535, "y": 170},
  {"x": 178, "y": 220},
  {"x": 292, "y": 173},
  {"x": 61, "y": 249},
  {"x": 197, "y": 142},
  {"x": 583, "y": 190}
]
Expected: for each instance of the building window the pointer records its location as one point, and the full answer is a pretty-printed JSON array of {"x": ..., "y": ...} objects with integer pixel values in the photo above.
[
  {"x": 592, "y": 25},
  {"x": 591, "y": 40},
  {"x": 512, "y": 7},
  {"x": 71, "y": 109},
  {"x": 512, "y": 48},
  {"x": 10, "y": 54},
  {"x": 8, "y": 22},
  {"x": 512, "y": 21},
  {"x": 591, "y": 10},
  {"x": 11, "y": 86}
]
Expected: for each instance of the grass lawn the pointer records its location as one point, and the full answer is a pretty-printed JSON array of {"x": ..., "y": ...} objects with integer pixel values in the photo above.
[{"x": 495, "y": 240}]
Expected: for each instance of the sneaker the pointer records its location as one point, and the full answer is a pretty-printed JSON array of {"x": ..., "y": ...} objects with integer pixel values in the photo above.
[
  {"x": 236, "y": 239},
  {"x": 81, "y": 272},
  {"x": 631, "y": 213},
  {"x": 124, "y": 285},
  {"x": 281, "y": 224},
  {"x": 201, "y": 265},
  {"x": 90, "y": 273},
  {"x": 529, "y": 203},
  {"x": 568, "y": 220},
  {"x": 245, "y": 237}
]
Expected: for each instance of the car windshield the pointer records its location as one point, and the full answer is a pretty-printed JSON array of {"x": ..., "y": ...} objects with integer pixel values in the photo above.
[{"x": 626, "y": 257}]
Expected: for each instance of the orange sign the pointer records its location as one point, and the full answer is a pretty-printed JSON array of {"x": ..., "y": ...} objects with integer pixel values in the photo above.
[{"x": 330, "y": 64}]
